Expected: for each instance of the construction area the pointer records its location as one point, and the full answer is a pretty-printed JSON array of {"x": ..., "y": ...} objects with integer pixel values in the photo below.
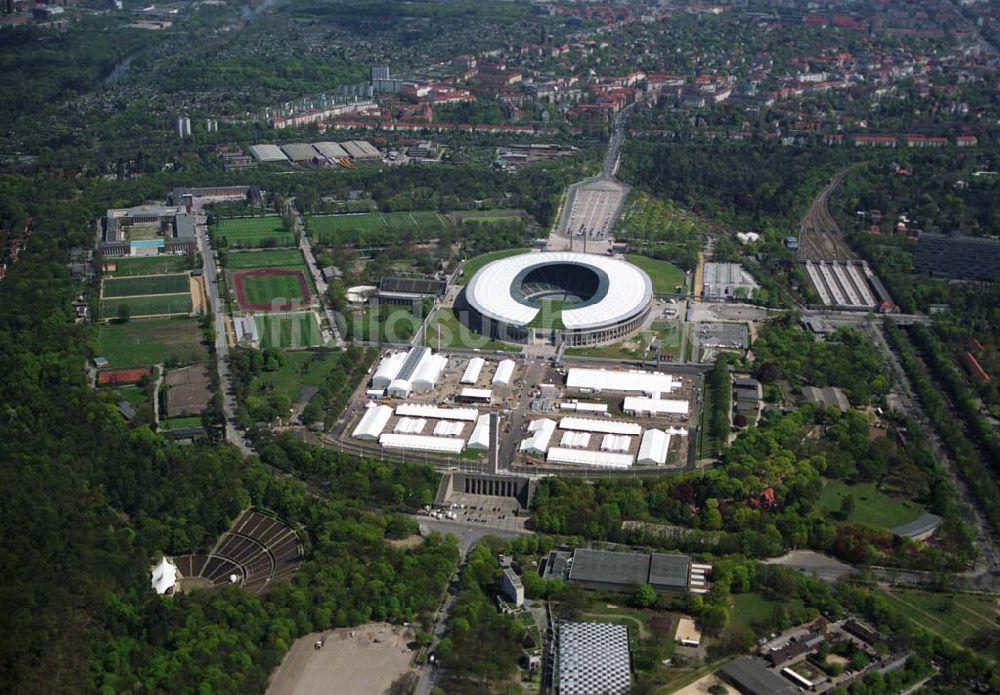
[{"x": 517, "y": 414}]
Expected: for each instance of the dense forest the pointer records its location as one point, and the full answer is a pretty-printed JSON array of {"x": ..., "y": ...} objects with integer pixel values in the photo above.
[{"x": 91, "y": 505}]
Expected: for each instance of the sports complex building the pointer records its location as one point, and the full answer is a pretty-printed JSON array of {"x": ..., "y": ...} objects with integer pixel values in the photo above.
[{"x": 558, "y": 298}]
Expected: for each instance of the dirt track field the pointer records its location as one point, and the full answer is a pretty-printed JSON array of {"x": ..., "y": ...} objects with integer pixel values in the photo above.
[{"x": 345, "y": 665}]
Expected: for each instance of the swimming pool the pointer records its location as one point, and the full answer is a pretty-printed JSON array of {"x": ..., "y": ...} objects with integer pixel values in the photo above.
[{"x": 147, "y": 243}]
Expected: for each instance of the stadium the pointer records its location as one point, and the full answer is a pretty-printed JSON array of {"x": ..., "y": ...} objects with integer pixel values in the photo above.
[{"x": 557, "y": 298}]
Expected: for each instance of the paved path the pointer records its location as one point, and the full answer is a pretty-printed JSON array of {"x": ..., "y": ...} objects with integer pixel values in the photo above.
[
  {"x": 218, "y": 308},
  {"x": 317, "y": 276}
]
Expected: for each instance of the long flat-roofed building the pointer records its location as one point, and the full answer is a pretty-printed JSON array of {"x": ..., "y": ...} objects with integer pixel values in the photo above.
[
  {"x": 958, "y": 257},
  {"x": 620, "y": 571},
  {"x": 634, "y": 381}
]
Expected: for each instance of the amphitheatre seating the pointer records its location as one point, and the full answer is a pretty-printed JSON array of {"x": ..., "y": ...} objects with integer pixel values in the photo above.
[{"x": 255, "y": 551}]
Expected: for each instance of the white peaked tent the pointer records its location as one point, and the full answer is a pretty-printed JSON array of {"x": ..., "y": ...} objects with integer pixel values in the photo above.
[{"x": 164, "y": 576}]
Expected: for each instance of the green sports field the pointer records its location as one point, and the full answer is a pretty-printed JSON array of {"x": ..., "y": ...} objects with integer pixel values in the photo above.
[
  {"x": 253, "y": 231},
  {"x": 150, "y": 305},
  {"x": 264, "y": 289},
  {"x": 148, "y": 265},
  {"x": 146, "y": 342},
  {"x": 148, "y": 284},
  {"x": 329, "y": 228},
  {"x": 265, "y": 259},
  {"x": 297, "y": 330},
  {"x": 665, "y": 275}
]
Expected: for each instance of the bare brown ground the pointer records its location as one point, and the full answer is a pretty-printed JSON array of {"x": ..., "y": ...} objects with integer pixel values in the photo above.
[{"x": 366, "y": 663}]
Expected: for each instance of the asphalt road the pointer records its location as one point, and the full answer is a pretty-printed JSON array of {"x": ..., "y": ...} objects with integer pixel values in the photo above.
[{"x": 233, "y": 436}]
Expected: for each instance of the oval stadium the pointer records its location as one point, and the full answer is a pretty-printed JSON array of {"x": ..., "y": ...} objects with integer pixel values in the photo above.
[{"x": 558, "y": 298}]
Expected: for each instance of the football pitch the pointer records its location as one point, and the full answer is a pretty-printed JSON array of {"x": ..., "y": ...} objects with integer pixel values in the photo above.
[
  {"x": 339, "y": 227},
  {"x": 147, "y": 284},
  {"x": 148, "y": 342},
  {"x": 271, "y": 289},
  {"x": 149, "y": 305},
  {"x": 254, "y": 231},
  {"x": 298, "y": 330},
  {"x": 265, "y": 259}
]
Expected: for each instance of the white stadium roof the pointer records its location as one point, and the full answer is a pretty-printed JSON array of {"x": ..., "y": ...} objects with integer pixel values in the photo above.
[
  {"x": 437, "y": 413},
  {"x": 625, "y": 290},
  {"x": 654, "y": 406},
  {"x": 628, "y": 382},
  {"x": 447, "y": 445},
  {"x": 585, "y": 457},
  {"x": 585, "y": 424},
  {"x": 373, "y": 422}
]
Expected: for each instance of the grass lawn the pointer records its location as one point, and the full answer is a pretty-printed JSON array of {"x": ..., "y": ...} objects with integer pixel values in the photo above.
[
  {"x": 670, "y": 335},
  {"x": 871, "y": 506},
  {"x": 253, "y": 231},
  {"x": 453, "y": 333},
  {"x": 148, "y": 265},
  {"x": 300, "y": 369},
  {"x": 150, "y": 284},
  {"x": 149, "y": 305},
  {"x": 265, "y": 259},
  {"x": 264, "y": 289},
  {"x": 474, "y": 264},
  {"x": 180, "y": 423},
  {"x": 487, "y": 215},
  {"x": 328, "y": 228},
  {"x": 748, "y": 609},
  {"x": 665, "y": 275},
  {"x": 298, "y": 330},
  {"x": 956, "y": 617},
  {"x": 135, "y": 395},
  {"x": 391, "y": 324},
  {"x": 144, "y": 343}
]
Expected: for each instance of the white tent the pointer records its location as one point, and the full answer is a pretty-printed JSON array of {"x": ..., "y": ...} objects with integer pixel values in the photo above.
[
  {"x": 653, "y": 448},
  {"x": 416, "y": 442},
  {"x": 504, "y": 373},
  {"x": 652, "y": 407},
  {"x": 603, "y": 426},
  {"x": 387, "y": 370},
  {"x": 585, "y": 457},
  {"x": 480, "y": 437},
  {"x": 437, "y": 413},
  {"x": 410, "y": 425},
  {"x": 372, "y": 422},
  {"x": 471, "y": 374},
  {"x": 164, "y": 576},
  {"x": 616, "y": 442},
  {"x": 449, "y": 428},
  {"x": 542, "y": 431},
  {"x": 577, "y": 440},
  {"x": 634, "y": 381},
  {"x": 430, "y": 371}
]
